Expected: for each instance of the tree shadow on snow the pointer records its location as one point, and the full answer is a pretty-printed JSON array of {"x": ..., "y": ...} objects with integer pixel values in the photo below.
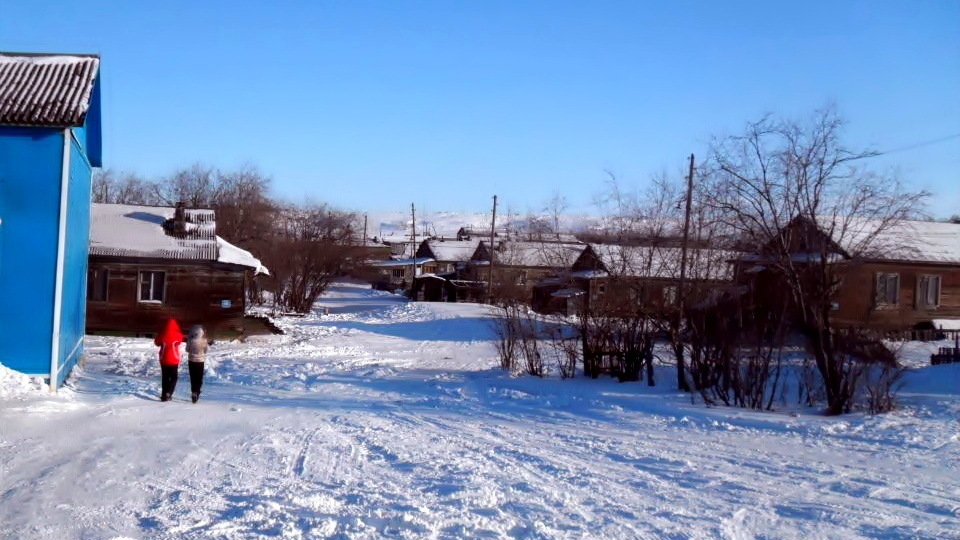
[{"x": 453, "y": 329}]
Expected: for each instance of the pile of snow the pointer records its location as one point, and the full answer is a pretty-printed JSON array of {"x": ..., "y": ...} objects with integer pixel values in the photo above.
[{"x": 14, "y": 384}]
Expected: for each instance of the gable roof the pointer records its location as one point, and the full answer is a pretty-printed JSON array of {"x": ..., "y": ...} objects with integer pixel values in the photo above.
[
  {"x": 449, "y": 250},
  {"x": 121, "y": 230},
  {"x": 907, "y": 240},
  {"x": 533, "y": 254},
  {"x": 658, "y": 262},
  {"x": 51, "y": 90},
  {"x": 872, "y": 239}
]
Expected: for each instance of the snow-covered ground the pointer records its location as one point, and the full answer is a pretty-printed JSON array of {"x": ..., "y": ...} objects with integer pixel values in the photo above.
[{"x": 388, "y": 419}]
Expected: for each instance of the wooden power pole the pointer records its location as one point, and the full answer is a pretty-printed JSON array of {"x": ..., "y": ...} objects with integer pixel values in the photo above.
[
  {"x": 678, "y": 320},
  {"x": 413, "y": 243},
  {"x": 493, "y": 229}
]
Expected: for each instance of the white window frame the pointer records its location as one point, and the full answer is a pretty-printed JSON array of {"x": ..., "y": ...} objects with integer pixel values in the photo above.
[
  {"x": 928, "y": 297},
  {"x": 886, "y": 289},
  {"x": 153, "y": 286},
  {"x": 399, "y": 273}
]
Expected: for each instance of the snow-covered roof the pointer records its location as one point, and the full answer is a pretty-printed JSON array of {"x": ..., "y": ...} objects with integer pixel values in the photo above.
[
  {"x": 539, "y": 254},
  {"x": 122, "y": 230},
  {"x": 231, "y": 254},
  {"x": 46, "y": 89},
  {"x": 664, "y": 262},
  {"x": 453, "y": 250},
  {"x": 919, "y": 241}
]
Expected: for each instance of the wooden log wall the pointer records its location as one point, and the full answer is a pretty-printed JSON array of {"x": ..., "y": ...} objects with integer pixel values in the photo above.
[{"x": 196, "y": 292}]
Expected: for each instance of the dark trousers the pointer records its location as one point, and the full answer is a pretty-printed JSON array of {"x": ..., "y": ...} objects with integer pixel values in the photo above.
[
  {"x": 196, "y": 376},
  {"x": 168, "y": 380}
]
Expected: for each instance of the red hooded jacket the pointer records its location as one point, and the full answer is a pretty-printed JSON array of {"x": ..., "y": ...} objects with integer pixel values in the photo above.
[{"x": 169, "y": 342}]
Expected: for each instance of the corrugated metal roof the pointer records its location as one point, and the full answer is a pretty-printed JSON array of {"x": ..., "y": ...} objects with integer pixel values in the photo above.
[
  {"x": 122, "y": 230},
  {"x": 46, "y": 89},
  {"x": 138, "y": 231}
]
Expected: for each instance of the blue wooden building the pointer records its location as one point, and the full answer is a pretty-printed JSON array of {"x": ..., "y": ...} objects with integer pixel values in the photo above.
[{"x": 50, "y": 141}]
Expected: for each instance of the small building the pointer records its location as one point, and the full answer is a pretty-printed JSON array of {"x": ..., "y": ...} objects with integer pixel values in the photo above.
[
  {"x": 50, "y": 141},
  {"x": 622, "y": 278},
  {"x": 449, "y": 256},
  {"x": 890, "y": 276},
  {"x": 518, "y": 266},
  {"x": 149, "y": 263},
  {"x": 397, "y": 273}
]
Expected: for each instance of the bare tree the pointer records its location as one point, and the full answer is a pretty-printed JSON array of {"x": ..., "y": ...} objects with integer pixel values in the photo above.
[
  {"x": 194, "y": 186},
  {"x": 109, "y": 187},
  {"x": 245, "y": 212},
  {"x": 308, "y": 248},
  {"x": 802, "y": 199}
]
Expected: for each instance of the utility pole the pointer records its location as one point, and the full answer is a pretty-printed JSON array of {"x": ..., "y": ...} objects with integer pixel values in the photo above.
[
  {"x": 493, "y": 229},
  {"x": 364, "y": 231},
  {"x": 413, "y": 244},
  {"x": 678, "y": 319}
]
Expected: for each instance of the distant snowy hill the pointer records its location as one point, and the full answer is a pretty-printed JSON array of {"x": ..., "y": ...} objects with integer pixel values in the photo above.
[{"x": 446, "y": 223}]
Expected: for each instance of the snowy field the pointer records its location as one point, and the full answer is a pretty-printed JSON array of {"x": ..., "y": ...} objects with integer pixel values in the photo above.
[{"x": 388, "y": 419}]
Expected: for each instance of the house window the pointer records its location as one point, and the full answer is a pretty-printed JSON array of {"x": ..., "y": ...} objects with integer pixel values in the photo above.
[
  {"x": 888, "y": 289},
  {"x": 152, "y": 286},
  {"x": 928, "y": 291},
  {"x": 601, "y": 289},
  {"x": 670, "y": 295},
  {"x": 399, "y": 273},
  {"x": 97, "y": 279},
  {"x": 522, "y": 278}
]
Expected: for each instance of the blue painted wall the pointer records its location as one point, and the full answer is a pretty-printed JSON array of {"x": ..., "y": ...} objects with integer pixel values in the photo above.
[
  {"x": 30, "y": 162},
  {"x": 76, "y": 255},
  {"x": 31, "y": 167}
]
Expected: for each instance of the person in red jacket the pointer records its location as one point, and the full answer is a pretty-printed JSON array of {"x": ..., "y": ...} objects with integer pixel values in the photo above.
[{"x": 169, "y": 341}]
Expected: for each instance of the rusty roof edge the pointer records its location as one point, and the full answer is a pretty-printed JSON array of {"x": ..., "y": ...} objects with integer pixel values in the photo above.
[{"x": 41, "y": 54}]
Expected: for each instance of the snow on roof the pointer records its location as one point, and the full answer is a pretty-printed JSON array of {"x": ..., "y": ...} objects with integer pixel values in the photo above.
[
  {"x": 539, "y": 254},
  {"x": 453, "y": 250},
  {"x": 231, "y": 254},
  {"x": 122, "y": 230},
  {"x": 908, "y": 240},
  {"x": 46, "y": 89},
  {"x": 664, "y": 262}
]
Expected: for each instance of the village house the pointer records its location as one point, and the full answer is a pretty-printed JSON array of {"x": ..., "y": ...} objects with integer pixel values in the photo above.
[
  {"x": 149, "y": 263},
  {"x": 443, "y": 276},
  {"x": 906, "y": 275},
  {"x": 50, "y": 141},
  {"x": 629, "y": 278},
  {"x": 519, "y": 265}
]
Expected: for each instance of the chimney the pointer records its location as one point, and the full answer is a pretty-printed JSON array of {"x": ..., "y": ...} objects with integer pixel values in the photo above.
[{"x": 180, "y": 219}]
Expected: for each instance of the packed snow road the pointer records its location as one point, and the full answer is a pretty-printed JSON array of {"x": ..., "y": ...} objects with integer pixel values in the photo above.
[{"x": 389, "y": 419}]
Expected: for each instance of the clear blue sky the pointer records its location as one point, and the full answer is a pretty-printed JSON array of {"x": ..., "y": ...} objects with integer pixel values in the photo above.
[{"x": 373, "y": 105}]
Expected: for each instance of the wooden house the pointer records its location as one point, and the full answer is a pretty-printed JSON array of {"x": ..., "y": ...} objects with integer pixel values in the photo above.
[
  {"x": 616, "y": 277},
  {"x": 50, "y": 141},
  {"x": 888, "y": 277},
  {"x": 445, "y": 276},
  {"x": 149, "y": 263},
  {"x": 518, "y": 265},
  {"x": 448, "y": 256},
  {"x": 396, "y": 274}
]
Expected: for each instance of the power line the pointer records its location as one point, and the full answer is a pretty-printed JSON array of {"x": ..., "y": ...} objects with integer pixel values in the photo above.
[{"x": 917, "y": 145}]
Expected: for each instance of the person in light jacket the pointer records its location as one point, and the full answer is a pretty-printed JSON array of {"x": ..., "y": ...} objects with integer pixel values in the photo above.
[
  {"x": 169, "y": 341},
  {"x": 197, "y": 346}
]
